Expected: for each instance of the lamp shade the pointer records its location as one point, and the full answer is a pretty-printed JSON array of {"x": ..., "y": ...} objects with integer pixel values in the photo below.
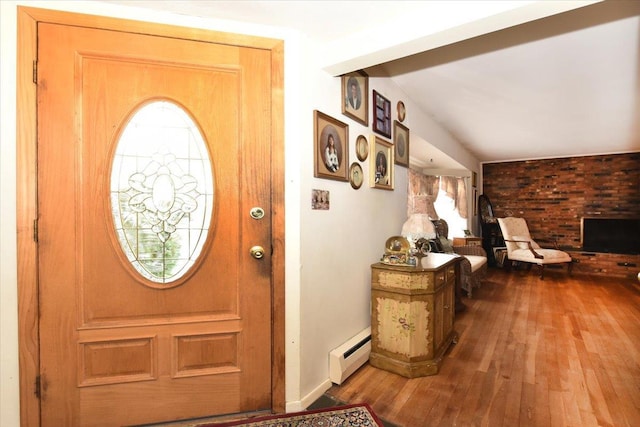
[{"x": 418, "y": 226}]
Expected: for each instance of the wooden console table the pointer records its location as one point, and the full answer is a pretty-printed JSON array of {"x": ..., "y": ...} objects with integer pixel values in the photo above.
[
  {"x": 412, "y": 315},
  {"x": 467, "y": 241}
]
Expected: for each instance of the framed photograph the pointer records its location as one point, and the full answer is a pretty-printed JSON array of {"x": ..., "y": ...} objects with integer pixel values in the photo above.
[
  {"x": 320, "y": 200},
  {"x": 355, "y": 96},
  {"x": 474, "y": 179},
  {"x": 401, "y": 143},
  {"x": 356, "y": 177},
  {"x": 331, "y": 147},
  {"x": 362, "y": 148},
  {"x": 402, "y": 111},
  {"x": 381, "y": 115},
  {"x": 381, "y": 164}
]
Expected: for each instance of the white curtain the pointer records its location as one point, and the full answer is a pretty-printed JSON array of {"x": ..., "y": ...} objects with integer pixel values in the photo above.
[
  {"x": 423, "y": 192},
  {"x": 456, "y": 189}
]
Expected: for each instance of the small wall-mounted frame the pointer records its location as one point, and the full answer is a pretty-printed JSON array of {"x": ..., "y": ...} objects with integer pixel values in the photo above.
[
  {"x": 320, "y": 200},
  {"x": 362, "y": 148},
  {"x": 401, "y": 143},
  {"x": 331, "y": 147},
  {"x": 356, "y": 177},
  {"x": 381, "y": 164},
  {"x": 355, "y": 96},
  {"x": 381, "y": 115},
  {"x": 474, "y": 179},
  {"x": 402, "y": 111}
]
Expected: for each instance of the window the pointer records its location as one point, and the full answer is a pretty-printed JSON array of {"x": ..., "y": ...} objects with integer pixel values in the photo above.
[
  {"x": 161, "y": 191},
  {"x": 451, "y": 205}
]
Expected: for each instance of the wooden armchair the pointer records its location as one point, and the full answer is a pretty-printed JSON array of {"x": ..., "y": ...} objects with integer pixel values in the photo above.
[{"x": 521, "y": 247}]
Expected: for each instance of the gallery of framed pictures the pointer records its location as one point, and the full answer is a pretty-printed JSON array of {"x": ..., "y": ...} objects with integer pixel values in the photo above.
[
  {"x": 355, "y": 96},
  {"x": 331, "y": 147},
  {"x": 331, "y": 137}
]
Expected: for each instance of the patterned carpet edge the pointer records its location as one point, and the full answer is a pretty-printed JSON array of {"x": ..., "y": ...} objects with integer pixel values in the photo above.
[{"x": 353, "y": 415}]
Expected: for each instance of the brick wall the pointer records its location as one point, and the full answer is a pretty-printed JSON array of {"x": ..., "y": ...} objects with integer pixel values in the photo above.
[{"x": 554, "y": 194}]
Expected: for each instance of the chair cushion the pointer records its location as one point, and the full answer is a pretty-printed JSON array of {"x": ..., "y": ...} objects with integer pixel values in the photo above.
[
  {"x": 476, "y": 261},
  {"x": 550, "y": 256},
  {"x": 447, "y": 245},
  {"x": 522, "y": 242}
]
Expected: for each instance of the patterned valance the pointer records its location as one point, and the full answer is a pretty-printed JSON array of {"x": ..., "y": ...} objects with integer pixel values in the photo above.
[{"x": 423, "y": 191}]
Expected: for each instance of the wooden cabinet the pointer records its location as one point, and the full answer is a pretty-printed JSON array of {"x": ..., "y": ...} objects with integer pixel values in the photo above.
[
  {"x": 467, "y": 241},
  {"x": 412, "y": 315}
]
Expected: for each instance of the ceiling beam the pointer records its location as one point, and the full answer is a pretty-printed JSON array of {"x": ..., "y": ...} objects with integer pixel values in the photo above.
[{"x": 414, "y": 33}]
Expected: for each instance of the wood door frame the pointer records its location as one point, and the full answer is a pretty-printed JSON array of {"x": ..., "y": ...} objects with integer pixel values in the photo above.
[{"x": 26, "y": 206}]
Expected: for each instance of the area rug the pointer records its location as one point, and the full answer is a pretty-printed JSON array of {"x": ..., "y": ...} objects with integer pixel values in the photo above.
[{"x": 359, "y": 415}]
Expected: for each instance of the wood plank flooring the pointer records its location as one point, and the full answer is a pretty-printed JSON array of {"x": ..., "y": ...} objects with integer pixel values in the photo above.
[{"x": 564, "y": 351}]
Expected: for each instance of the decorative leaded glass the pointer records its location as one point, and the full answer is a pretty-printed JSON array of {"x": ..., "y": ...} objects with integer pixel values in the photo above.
[{"x": 161, "y": 191}]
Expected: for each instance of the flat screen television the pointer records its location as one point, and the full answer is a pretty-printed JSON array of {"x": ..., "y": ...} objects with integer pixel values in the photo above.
[{"x": 612, "y": 235}]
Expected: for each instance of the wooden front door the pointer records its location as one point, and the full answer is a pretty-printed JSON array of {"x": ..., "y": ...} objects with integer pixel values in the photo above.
[{"x": 123, "y": 338}]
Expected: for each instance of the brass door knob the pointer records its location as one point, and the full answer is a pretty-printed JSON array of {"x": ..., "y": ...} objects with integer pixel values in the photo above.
[{"x": 257, "y": 252}]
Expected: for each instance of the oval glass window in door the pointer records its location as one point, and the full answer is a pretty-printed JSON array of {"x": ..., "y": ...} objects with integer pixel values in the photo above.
[{"x": 161, "y": 192}]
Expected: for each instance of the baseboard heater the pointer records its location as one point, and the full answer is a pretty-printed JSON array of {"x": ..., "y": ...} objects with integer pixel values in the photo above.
[{"x": 346, "y": 359}]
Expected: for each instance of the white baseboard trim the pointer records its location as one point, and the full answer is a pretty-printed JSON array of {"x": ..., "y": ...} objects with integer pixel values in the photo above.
[{"x": 307, "y": 400}]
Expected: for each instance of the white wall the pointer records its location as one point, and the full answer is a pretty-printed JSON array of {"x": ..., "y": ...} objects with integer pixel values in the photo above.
[
  {"x": 9, "y": 388},
  {"x": 339, "y": 245},
  {"x": 328, "y": 253}
]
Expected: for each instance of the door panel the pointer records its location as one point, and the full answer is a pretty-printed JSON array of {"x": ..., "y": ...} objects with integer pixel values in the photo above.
[{"x": 116, "y": 348}]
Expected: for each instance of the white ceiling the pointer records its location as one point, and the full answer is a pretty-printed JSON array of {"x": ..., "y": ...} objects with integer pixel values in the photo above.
[{"x": 565, "y": 85}]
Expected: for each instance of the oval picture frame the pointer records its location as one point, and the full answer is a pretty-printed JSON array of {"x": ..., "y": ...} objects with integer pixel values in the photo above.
[
  {"x": 402, "y": 111},
  {"x": 362, "y": 148},
  {"x": 356, "y": 177}
]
